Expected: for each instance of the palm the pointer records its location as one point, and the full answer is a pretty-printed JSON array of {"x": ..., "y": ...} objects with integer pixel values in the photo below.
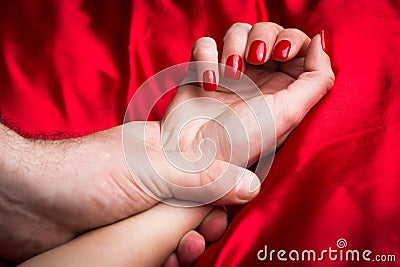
[
  {"x": 270, "y": 78},
  {"x": 275, "y": 76}
]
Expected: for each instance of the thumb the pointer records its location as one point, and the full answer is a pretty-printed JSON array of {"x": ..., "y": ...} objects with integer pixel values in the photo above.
[
  {"x": 183, "y": 179},
  {"x": 316, "y": 80},
  {"x": 221, "y": 183}
]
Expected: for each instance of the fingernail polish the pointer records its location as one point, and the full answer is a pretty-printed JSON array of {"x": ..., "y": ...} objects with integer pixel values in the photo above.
[
  {"x": 247, "y": 187},
  {"x": 209, "y": 81},
  {"x": 234, "y": 65},
  {"x": 326, "y": 42},
  {"x": 257, "y": 52},
  {"x": 281, "y": 50}
]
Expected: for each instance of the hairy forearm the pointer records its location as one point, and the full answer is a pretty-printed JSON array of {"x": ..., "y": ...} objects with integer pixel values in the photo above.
[
  {"x": 52, "y": 190},
  {"x": 11, "y": 148},
  {"x": 58, "y": 189},
  {"x": 27, "y": 190},
  {"x": 146, "y": 239},
  {"x": 18, "y": 195}
]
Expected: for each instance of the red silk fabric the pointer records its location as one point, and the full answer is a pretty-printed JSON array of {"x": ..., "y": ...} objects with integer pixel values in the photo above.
[{"x": 69, "y": 68}]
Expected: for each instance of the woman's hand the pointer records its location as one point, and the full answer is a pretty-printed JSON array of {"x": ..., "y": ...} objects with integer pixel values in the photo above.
[{"x": 292, "y": 71}]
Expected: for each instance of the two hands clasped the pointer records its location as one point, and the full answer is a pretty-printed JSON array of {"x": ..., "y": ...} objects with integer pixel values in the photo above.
[{"x": 51, "y": 191}]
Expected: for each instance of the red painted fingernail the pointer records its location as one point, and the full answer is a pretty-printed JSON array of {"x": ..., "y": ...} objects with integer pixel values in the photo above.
[
  {"x": 281, "y": 50},
  {"x": 257, "y": 52},
  {"x": 326, "y": 42},
  {"x": 209, "y": 81},
  {"x": 234, "y": 65}
]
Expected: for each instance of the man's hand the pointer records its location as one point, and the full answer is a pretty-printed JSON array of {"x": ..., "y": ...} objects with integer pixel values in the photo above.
[{"x": 51, "y": 191}]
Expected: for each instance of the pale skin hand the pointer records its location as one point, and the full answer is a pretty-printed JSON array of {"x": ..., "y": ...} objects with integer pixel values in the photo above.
[
  {"x": 292, "y": 90},
  {"x": 145, "y": 239},
  {"x": 291, "y": 87}
]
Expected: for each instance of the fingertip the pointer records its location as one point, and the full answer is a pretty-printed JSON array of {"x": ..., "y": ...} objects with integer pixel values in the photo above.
[
  {"x": 205, "y": 62},
  {"x": 234, "y": 67},
  {"x": 191, "y": 246},
  {"x": 172, "y": 261},
  {"x": 215, "y": 224},
  {"x": 281, "y": 50},
  {"x": 319, "y": 45},
  {"x": 248, "y": 187},
  {"x": 235, "y": 41},
  {"x": 318, "y": 58},
  {"x": 290, "y": 43},
  {"x": 326, "y": 42},
  {"x": 204, "y": 48},
  {"x": 257, "y": 52},
  {"x": 209, "y": 81},
  {"x": 261, "y": 38}
]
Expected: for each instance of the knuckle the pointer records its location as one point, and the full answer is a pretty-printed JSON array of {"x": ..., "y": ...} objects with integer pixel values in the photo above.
[
  {"x": 270, "y": 25},
  {"x": 294, "y": 31},
  {"x": 204, "y": 54},
  {"x": 205, "y": 42},
  {"x": 296, "y": 34},
  {"x": 204, "y": 48},
  {"x": 207, "y": 176},
  {"x": 238, "y": 29},
  {"x": 324, "y": 78},
  {"x": 327, "y": 79},
  {"x": 206, "y": 182},
  {"x": 240, "y": 25},
  {"x": 330, "y": 80},
  {"x": 274, "y": 25},
  {"x": 259, "y": 25}
]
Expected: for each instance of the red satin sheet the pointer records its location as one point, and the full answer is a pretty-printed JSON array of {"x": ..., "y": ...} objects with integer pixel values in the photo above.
[{"x": 68, "y": 68}]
